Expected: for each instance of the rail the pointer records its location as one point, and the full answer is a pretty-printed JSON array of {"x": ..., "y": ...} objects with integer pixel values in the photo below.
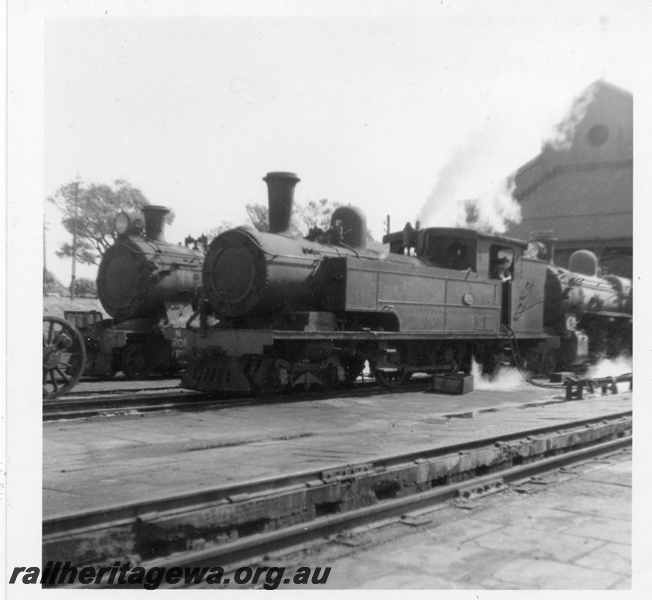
[{"x": 277, "y": 510}]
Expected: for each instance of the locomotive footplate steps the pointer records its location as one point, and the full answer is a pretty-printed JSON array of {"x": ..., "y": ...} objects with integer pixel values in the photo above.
[{"x": 211, "y": 515}]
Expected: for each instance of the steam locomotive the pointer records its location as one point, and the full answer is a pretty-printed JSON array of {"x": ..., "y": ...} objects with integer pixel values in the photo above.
[
  {"x": 136, "y": 277},
  {"x": 139, "y": 276},
  {"x": 289, "y": 311}
]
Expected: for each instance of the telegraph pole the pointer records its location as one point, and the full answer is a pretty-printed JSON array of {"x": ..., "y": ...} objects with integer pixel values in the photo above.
[
  {"x": 45, "y": 267},
  {"x": 74, "y": 245}
]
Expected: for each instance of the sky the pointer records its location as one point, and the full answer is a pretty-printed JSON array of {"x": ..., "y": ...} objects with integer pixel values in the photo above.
[{"x": 370, "y": 104}]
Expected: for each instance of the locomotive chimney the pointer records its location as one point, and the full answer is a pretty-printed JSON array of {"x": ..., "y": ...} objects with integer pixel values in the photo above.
[
  {"x": 280, "y": 190},
  {"x": 155, "y": 221}
]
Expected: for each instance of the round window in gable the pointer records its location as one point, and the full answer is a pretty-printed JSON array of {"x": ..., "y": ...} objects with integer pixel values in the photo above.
[{"x": 598, "y": 135}]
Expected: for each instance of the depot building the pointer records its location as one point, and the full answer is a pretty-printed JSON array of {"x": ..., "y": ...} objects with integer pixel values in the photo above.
[{"x": 579, "y": 188}]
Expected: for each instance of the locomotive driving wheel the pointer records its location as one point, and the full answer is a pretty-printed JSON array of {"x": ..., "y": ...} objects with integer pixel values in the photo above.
[
  {"x": 64, "y": 357},
  {"x": 135, "y": 362},
  {"x": 332, "y": 373},
  {"x": 392, "y": 379},
  {"x": 270, "y": 377}
]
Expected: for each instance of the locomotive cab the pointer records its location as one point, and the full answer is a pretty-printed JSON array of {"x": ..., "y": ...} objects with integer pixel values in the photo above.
[
  {"x": 441, "y": 247},
  {"x": 449, "y": 248},
  {"x": 519, "y": 275},
  {"x": 501, "y": 268}
]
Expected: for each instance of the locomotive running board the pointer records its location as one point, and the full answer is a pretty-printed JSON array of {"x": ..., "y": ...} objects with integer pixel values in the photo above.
[{"x": 236, "y": 342}]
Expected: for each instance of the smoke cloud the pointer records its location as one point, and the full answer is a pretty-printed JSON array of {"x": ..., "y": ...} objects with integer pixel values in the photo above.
[
  {"x": 562, "y": 134},
  {"x": 474, "y": 187},
  {"x": 472, "y": 183}
]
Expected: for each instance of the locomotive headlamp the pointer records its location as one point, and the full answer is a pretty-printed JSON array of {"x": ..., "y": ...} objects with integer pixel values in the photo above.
[
  {"x": 121, "y": 223},
  {"x": 129, "y": 223}
]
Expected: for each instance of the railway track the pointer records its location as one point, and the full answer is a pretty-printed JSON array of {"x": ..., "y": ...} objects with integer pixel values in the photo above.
[
  {"x": 91, "y": 404},
  {"x": 134, "y": 400},
  {"x": 228, "y": 525}
]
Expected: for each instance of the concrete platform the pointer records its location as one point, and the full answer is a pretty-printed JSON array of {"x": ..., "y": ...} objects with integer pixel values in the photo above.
[{"x": 106, "y": 461}]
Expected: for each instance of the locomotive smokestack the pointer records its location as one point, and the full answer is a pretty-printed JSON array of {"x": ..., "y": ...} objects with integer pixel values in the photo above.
[
  {"x": 155, "y": 221},
  {"x": 280, "y": 190}
]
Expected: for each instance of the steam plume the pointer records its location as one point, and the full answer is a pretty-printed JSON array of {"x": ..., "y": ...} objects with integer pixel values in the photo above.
[
  {"x": 611, "y": 367},
  {"x": 472, "y": 183},
  {"x": 472, "y": 188},
  {"x": 506, "y": 378}
]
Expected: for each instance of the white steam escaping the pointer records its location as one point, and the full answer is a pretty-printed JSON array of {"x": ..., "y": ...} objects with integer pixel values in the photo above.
[
  {"x": 608, "y": 367},
  {"x": 472, "y": 184},
  {"x": 611, "y": 367},
  {"x": 505, "y": 379},
  {"x": 474, "y": 187},
  {"x": 563, "y": 133}
]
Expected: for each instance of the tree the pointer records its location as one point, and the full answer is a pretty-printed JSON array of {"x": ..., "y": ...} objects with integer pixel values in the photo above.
[
  {"x": 215, "y": 231},
  {"x": 258, "y": 215},
  {"x": 51, "y": 285},
  {"x": 306, "y": 216},
  {"x": 85, "y": 287},
  {"x": 314, "y": 213},
  {"x": 96, "y": 206}
]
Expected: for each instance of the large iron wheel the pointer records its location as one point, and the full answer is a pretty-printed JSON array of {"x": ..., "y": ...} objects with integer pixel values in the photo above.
[
  {"x": 332, "y": 374},
  {"x": 135, "y": 362},
  {"x": 64, "y": 357},
  {"x": 270, "y": 377},
  {"x": 392, "y": 379}
]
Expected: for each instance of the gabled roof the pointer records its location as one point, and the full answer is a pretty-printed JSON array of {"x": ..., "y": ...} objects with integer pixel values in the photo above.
[{"x": 602, "y": 84}]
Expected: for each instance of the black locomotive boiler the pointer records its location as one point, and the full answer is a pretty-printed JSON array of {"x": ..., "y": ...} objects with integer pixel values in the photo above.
[
  {"x": 137, "y": 276},
  {"x": 294, "y": 311},
  {"x": 140, "y": 276}
]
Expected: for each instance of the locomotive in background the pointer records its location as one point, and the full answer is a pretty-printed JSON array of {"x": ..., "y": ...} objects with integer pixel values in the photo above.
[
  {"x": 137, "y": 275},
  {"x": 294, "y": 311}
]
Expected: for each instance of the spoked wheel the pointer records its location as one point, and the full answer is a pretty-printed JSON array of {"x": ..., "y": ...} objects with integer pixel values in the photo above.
[
  {"x": 64, "y": 357},
  {"x": 392, "y": 379},
  {"x": 135, "y": 364}
]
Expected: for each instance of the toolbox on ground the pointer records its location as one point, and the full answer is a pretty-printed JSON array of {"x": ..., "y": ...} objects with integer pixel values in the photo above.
[{"x": 452, "y": 384}]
